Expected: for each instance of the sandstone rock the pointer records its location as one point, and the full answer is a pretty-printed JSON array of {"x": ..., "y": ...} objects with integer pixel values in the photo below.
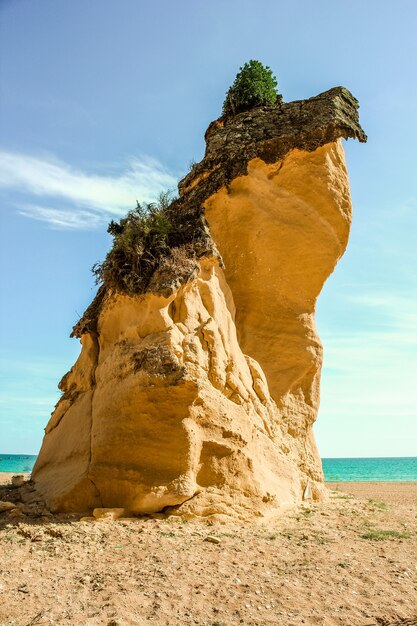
[
  {"x": 18, "y": 480},
  {"x": 191, "y": 415},
  {"x": 213, "y": 539},
  {"x": 15, "y": 513},
  {"x": 281, "y": 230},
  {"x": 307, "y": 491},
  {"x": 34, "y": 509},
  {"x": 6, "y": 506},
  {"x": 199, "y": 393},
  {"x": 109, "y": 514}
]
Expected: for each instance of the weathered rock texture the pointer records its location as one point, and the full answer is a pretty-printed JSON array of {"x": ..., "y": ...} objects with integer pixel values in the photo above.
[{"x": 201, "y": 392}]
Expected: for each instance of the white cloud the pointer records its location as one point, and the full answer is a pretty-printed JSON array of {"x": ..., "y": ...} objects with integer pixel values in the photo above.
[
  {"x": 70, "y": 219},
  {"x": 88, "y": 199}
]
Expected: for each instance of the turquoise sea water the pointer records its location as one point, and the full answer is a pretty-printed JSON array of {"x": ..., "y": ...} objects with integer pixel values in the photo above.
[
  {"x": 17, "y": 463},
  {"x": 392, "y": 469},
  {"x": 360, "y": 470}
]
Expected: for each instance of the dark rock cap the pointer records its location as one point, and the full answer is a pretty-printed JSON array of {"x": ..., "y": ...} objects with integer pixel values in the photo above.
[{"x": 270, "y": 132}]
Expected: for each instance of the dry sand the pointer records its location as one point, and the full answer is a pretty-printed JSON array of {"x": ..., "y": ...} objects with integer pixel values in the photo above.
[
  {"x": 390, "y": 493},
  {"x": 326, "y": 564},
  {"x": 5, "y": 477}
]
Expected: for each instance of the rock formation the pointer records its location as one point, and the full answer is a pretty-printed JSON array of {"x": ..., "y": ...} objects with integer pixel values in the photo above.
[{"x": 199, "y": 393}]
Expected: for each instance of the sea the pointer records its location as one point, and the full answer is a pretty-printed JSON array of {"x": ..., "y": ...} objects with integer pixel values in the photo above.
[
  {"x": 384, "y": 469},
  {"x": 392, "y": 469},
  {"x": 17, "y": 463}
]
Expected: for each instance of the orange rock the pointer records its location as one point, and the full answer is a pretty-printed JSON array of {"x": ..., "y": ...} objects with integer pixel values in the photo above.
[
  {"x": 201, "y": 396},
  {"x": 108, "y": 514}
]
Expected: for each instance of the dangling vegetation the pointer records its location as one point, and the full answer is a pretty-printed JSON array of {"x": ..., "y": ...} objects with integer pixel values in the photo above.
[
  {"x": 155, "y": 247},
  {"x": 254, "y": 85},
  {"x": 139, "y": 241}
]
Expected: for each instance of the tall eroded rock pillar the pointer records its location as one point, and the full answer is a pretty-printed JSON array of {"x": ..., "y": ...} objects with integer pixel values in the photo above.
[{"x": 199, "y": 393}]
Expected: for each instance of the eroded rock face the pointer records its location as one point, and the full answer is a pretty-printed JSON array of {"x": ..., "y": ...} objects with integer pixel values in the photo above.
[
  {"x": 202, "y": 395},
  {"x": 281, "y": 230},
  {"x": 163, "y": 405}
]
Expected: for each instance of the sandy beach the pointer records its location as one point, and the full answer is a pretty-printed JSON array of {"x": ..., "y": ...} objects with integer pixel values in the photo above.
[
  {"x": 350, "y": 561},
  {"x": 388, "y": 492},
  {"x": 5, "y": 477}
]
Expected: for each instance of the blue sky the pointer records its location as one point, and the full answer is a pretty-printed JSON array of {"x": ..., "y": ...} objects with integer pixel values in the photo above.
[{"x": 105, "y": 102}]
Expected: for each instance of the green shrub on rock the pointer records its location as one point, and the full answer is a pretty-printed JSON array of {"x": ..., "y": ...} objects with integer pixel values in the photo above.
[
  {"x": 254, "y": 85},
  {"x": 139, "y": 240}
]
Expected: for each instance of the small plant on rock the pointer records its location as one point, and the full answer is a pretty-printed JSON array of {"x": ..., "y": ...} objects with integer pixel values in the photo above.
[{"x": 254, "y": 85}]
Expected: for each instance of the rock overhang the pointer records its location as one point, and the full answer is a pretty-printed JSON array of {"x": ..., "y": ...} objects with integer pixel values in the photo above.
[{"x": 269, "y": 133}]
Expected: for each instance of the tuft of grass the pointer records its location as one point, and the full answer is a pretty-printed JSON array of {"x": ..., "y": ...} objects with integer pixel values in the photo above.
[
  {"x": 344, "y": 496},
  {"x": 343, "y": 565},
  {"x": 288, "y": 533},
  {"x": 379, "y": 505},
  {"x": 366, "y": 523},
  {"x": 380, "y": 535},
  {"x": 322, "y": 540}
]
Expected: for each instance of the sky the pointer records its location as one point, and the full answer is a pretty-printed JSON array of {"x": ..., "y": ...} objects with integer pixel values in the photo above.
[{"x": 104, "y": 102}]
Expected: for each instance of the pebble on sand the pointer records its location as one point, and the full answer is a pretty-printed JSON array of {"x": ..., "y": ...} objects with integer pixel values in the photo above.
[{"x": 213, "y": 539}]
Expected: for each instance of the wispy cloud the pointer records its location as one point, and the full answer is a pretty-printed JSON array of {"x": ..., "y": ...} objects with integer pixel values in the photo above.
[
  {"x": 87, "y": 199},
  {"x": 69, "y": 219}
]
